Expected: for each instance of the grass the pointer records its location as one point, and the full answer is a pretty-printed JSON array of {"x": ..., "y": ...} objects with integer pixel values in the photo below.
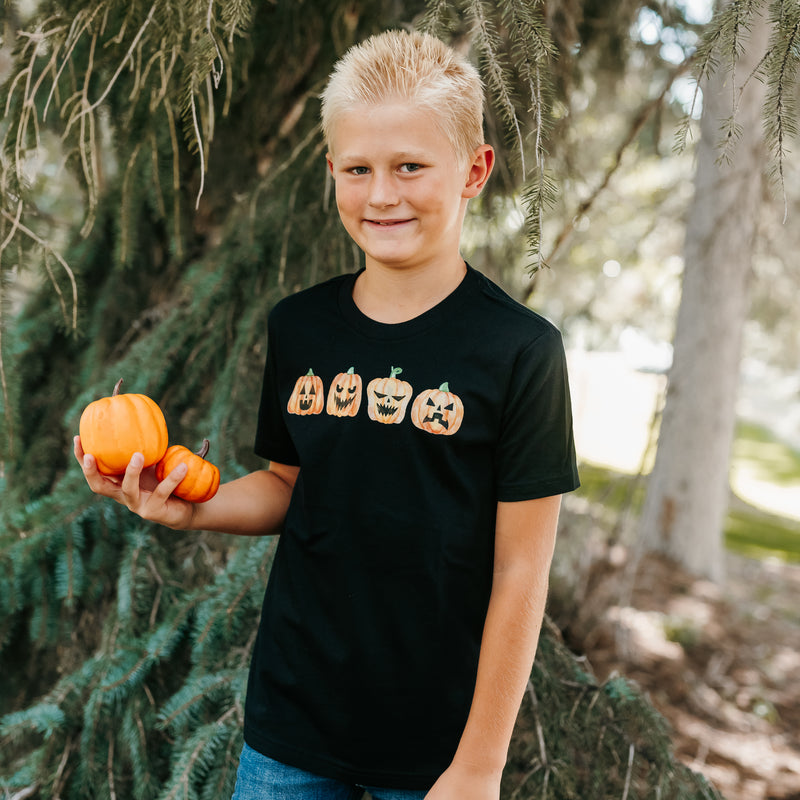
[
  {"x": 749, "y": 530},
  {"x": 752, "y": 531},
  {"x": 757, "y": 534},
  {"x": 767, "y": 458}
]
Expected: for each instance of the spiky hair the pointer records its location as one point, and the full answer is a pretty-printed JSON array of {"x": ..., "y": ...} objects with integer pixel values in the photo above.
[{"x": 414, "y": 68}]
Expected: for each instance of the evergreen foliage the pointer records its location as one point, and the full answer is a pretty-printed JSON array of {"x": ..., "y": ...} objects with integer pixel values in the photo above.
[
  {"x": 200, "y": 200},
  {"x": 517, "y": 71},
  {"x": 724, "y": 39},
  {"x": 577, "y": 737}
]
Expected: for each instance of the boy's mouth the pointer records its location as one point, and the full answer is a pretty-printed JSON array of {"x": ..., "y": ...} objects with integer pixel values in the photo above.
[{"x": 387, "y": 223}]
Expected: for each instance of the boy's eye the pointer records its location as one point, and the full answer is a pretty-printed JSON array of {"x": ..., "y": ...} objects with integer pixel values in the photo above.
[
  {"x": 410, "y": 167},
  {"x": 359, "y": 170}
]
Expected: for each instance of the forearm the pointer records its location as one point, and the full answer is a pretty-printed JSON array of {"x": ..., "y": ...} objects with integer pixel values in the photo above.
[
  {"x": 508, "y": 647},
  {"x": 525, "y": 534},
  {"x": 253, "y": 505}
]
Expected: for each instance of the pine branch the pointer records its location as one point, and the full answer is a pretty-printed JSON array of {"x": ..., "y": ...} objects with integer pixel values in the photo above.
[
  {"x": 70, "y": 318},
  {"x": 90, "y": 108},
  {"x": 487, "y": 42},
  {"x": 44, "y": 719},
  {"x": 704, "y": 63},
  {"x": 196, "y": 757},
  {"x": 783, "y": 62},
  {"x": 534, "y": 51},
  {"x": 184, "y": 708},
  {"x": 237, "y": 16},
  {"x": 130, "y": 58},
  {"x": 531, "y": 51},
  {"x": 438, "y": 18}
]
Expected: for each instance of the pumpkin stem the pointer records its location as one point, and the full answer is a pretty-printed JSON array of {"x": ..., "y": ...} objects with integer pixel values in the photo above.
[
  {"x": 351, "y": 371},
  {"x": 395, "y": 371},
  {"x": 203, "y": 451},
  {"x": 310, "y": 373},
  {"x": 445, "y": 387},
  {"x": 116, "y": 388}
]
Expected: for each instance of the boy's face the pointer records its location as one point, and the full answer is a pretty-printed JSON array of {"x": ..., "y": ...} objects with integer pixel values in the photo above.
[{"x": 400, "y": 189}]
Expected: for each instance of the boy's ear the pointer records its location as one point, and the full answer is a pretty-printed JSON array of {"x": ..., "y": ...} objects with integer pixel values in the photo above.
[
  {"x": 329, "y": 159},
  {"x": 479, "y": 171}
]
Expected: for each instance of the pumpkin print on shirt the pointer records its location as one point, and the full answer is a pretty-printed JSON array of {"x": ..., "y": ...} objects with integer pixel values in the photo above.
[
  {"x": 344, "y": 396},
  {"x": 438, "y": 411},
  {"x": 308, "y": 396},
  {"x": 387, "y": 398}
]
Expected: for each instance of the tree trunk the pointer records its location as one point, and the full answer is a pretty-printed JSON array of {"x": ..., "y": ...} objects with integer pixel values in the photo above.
[{"x": 688, "y": 491}]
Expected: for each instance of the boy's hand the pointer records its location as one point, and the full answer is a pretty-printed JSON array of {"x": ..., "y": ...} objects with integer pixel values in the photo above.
[
  {"x": 459, "y": 783},
  {"x": 139, "y": 490}
]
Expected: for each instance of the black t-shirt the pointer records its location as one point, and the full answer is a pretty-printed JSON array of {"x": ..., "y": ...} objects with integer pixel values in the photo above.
[{"x": 407, "y": 436}]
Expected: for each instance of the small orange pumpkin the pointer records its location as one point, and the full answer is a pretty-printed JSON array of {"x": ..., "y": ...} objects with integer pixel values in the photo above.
[
  {"x": 438, "y": 411},
  {"x": 308, "y": 396},
  {"x": 202, "y": 478},
  {"x": 387, "y": 398},
  {"x": 113, "y": 428},
  {"x": 344, "y": 396}
]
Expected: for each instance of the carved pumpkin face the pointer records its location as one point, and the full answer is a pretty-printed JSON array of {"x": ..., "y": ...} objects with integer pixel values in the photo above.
[
  {"x": 308, "y": 396},
  {"x": 387, "y": 398},
  {"x": 438, "y": 411},
  {"x": 344, "y": 395}
]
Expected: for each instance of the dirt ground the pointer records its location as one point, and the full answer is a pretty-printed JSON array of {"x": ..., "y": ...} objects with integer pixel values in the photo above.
[{"x": 721, "y": 663}]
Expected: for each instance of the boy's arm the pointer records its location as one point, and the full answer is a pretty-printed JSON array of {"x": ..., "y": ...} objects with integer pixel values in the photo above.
[
  {"x": 525, "y": 538},
  {"x": 253, "y": 505}
]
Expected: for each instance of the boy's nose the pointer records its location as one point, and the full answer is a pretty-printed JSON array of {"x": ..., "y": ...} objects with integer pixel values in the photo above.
[{"x": 382, "y": 192}]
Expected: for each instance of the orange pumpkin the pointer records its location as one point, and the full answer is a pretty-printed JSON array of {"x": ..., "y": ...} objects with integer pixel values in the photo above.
[
  {"x": 387, "y": 398},
  {"x": 344, "y": 396},
  {"x": 308, "y": 396},
  {"x": 438, "y": 411},
  {"x": 113, "y": 428},
  {"x": 202, "y": 479}
]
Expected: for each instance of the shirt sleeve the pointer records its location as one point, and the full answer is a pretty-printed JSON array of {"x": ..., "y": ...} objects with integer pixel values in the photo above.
[
  {"x": 273, "y": 441},
  {"x": 536, "y": 451}
]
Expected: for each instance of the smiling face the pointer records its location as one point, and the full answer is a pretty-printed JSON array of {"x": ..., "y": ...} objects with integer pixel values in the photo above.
[
  {"x": 308, "y": 396},
  {"x": 401, "y": 190}
]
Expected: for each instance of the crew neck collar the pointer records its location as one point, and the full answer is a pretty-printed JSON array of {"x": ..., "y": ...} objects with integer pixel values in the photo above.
[{"x": 394, "y": 330}]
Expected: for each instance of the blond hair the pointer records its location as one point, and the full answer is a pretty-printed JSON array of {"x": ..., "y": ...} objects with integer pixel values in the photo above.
[{"x": 415, "y": 68}]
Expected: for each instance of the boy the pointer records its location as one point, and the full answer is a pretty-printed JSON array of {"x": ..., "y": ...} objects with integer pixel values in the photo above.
[{"x": 418, "y": 429}]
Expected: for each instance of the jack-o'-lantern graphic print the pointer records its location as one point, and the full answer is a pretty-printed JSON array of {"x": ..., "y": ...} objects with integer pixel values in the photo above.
[
  {"x": 387, "y": 398},
  {"x": 308, "y": 396},
  {"x": 344, "y": 395},
  {"x": 438, "y": 411}
]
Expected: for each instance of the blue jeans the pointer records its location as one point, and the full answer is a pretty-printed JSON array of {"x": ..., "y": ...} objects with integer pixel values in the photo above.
[{"x": 262, "y": 778}]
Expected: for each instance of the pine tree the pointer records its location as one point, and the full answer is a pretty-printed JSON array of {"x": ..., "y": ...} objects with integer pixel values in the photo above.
[{"x": 200, "y": 200}]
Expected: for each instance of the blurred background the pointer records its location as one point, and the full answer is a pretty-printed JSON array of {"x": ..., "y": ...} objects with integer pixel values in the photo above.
[{"x": 163, "y": 184}]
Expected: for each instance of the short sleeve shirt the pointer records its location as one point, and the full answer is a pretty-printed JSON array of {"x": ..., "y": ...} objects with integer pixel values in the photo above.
[{"x": 407, "y": 436}]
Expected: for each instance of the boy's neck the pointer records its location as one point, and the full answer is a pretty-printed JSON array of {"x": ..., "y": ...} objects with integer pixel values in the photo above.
[{"x": 399, "y": 295}]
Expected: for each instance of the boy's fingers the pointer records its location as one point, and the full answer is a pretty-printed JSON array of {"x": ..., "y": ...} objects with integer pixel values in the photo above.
[
  {"x": 88, "y": 465},
  {"x": 86, "y": 460},
  {"x": 130, "y": 481},
  {"x": 170, "y": 483},
  {"x": 104, "y": 485},
  {"x": 128, "y": 489}
]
